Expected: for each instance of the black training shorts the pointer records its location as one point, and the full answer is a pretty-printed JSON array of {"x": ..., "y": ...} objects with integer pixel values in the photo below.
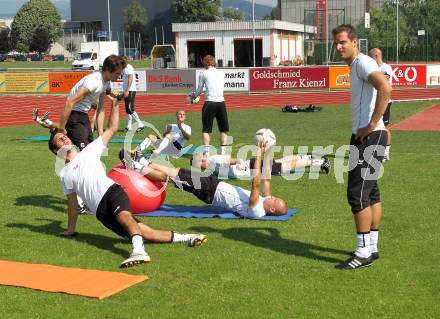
[
  {"x": 215, "y": 110},
  {"x": 386, "y": 115},
  {"x": 203, "y": 187},
  {"x": 79, "y": 129},
  {"x": 112, "y": 203},
  {"x": 362, "y": 188}
]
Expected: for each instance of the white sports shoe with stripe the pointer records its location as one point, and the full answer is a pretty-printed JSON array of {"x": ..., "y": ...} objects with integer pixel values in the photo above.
[
  {"x": 135, "y": 259},
  {"x": 355, "y": 262}
]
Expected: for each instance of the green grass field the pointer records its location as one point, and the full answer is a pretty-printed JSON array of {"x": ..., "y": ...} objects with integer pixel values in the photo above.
[{"x": 247, "y": 269}]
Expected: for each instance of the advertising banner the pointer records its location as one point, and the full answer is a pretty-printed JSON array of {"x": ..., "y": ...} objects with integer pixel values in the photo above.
[
  {"x": 63, "y": 82},
  {"x": 288, "y": 78},
  {"x": 2, "y": 83},
  {"x": 140, "y": 78},
  {"x": 409, "y": 75},
  {"x": 170, "y": 80},
  {"x": 32, "y": 82},
  {"x": 339, "y": 77},
  {"x": 235, "y": 79},
  {"x": 432, "y": 75}
]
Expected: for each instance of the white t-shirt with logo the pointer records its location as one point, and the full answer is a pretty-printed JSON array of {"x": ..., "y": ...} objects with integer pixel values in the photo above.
[
  {"x": 363, "y": 94},
  {"x": 237, "y": 199},
  {"x": 177, "y": 135},
  {"x": 86, "y": 176},
  {"x": 214, "y": 82},
  {"x": 96, "y": 85},
  {"x": 387, "y": 70},
  {"x": 125, "y": 73}
]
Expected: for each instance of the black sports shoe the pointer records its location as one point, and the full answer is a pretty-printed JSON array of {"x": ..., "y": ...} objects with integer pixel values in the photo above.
[
  {"x": 326, "y": 166},
  {"x": 375, "y": 255},
  {"x": 355, "y": 262}
]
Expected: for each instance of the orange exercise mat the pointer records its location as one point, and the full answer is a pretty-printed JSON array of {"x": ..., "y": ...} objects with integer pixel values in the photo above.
[{"x": 75, "y": 281}]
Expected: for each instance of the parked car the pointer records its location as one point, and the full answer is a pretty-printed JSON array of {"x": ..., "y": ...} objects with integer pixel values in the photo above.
[
  {"x": 34, "y": 57},
  {"x": 58, "y": 57},
  {"x": 2, "y": 57},
  {"x": 48, "y": 57},
  {"x": 20, "y": 57}
]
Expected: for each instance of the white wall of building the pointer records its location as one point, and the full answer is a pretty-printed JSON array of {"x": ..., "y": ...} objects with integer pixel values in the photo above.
[{"x": 223, "y": 41}]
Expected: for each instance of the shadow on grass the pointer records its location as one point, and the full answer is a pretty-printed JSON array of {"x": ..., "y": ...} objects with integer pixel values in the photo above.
[
  {"x": 54, "y": 228},
  {"x": 46, "y": 201},
  {"x": 270, "y": 238}
]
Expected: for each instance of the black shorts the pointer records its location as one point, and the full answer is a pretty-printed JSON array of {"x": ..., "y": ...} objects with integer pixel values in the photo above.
[
  {"x": 203, "y": 187},
  {"x": 362, "y": 188},
  {"x": 129, "y": 102},
  {"x": 386, "y": 115},
  {"x": 276, "y": 168},
  {"x": 79, "y": 129},
  {"x": 215, "y": 110},
  {"x": 112, "y": 203}
]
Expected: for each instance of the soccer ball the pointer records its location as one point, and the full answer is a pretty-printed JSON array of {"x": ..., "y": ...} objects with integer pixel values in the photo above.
[
  {"x": 265, "y": 135},
  {"x": 191, "y": 100}
]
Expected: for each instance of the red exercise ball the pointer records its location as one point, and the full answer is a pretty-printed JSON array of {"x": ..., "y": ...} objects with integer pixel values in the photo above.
[{"x": 145, "y": 195}]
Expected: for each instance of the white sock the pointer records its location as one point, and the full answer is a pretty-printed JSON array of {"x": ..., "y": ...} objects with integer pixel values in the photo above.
[
  {"x": 164, "y": 143},
  {"x": 305, "y": 157},
  {"x": 387, "y": 150},
  {"x": 374, "y": 239},
  {"x": 223, "y": 149},
  {"x": 206, "y": 149},
  {"x": 137, "y": 242},
  {"x": 129, "y": 120},
  {"x": 137, "y": 119},
  {"x": 177, "y": 238},
  {"x": 363, "y": 245},
  {"x": 145, "y": 144},
  {"x": 317, "y": 162}
]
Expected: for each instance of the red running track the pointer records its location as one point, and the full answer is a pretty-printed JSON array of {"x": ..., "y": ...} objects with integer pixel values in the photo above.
[{"x": 17, "y": 110}]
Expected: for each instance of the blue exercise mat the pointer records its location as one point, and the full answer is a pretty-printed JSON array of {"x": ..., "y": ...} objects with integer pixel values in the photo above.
[{"x": 207, "y": 212}]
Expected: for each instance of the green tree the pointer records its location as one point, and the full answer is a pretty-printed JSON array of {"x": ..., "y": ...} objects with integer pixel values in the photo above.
[
  {"x": 233, "y": 14},
  {"x": 5, "y": 41},
  {"x": 40, "y": 40},
  {"x": 196, "y": 10},
  {"x": 35, "y": 14},
  {"x": 273, "y": 15},
  {"x": 135, "y": 15}
]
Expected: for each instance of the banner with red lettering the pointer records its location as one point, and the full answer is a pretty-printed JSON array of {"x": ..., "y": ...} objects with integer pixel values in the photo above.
[
  {"x": 433, "y": 75},
  {"x": 409, "y": 75},
  {"x": 280, "y": 79}
]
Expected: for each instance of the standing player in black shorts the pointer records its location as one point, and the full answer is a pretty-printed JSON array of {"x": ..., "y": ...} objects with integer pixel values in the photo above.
[
  {"x": 370, "y": 93},
  {"x": 83, "y": 174},
  {"x": 214, "y": 81},
  {"x": 90, "y": 90},
  {"x": 129, "y": 87},
  {"x": 386, "y": 70}
]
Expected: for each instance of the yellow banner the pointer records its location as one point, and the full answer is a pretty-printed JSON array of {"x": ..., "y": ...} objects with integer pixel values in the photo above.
[
  {"x": 32, "y": 82},
  {"x": 339, "y": 77},
  {"x": 2, "y": 83}
]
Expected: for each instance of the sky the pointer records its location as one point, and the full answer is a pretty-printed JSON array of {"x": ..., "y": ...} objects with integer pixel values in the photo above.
[{"x": 8, "y": 8}]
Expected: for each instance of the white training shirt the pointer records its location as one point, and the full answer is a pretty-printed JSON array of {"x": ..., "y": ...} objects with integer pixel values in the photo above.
[
  {"x": 237, "y": 199},
  {"x": 86, "y": 176},
  {"x": 214, "y": 82},
  {"x": 125, "y": 73},
  {"x": 363, "y": 94},
  {"x": 96, "y": 85},
  {"x": 177, "y": 135},
  {"x": 387, "y": 70}
]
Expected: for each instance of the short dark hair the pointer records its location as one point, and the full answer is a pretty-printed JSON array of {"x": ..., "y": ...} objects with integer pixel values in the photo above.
[
  {"x": 351, "y": 31},
  {"x": 51, "y": 144},
  {"x": 114, "y": 62}
]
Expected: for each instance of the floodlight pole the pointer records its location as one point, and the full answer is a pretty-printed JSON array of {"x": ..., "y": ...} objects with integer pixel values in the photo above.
[
  {"x": 253, "y": 30},
  {"x": 109, "y": 25},
  {"x": 397, "y": 31}
]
